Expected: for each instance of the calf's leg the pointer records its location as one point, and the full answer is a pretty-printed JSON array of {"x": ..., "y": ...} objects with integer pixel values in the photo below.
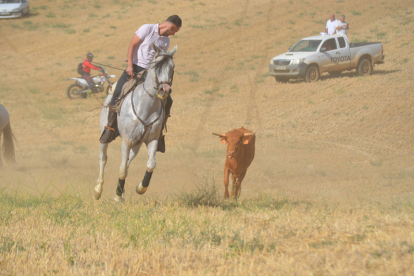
[
  {"x": 233, "y": 186},
  {"x": 226, "y": 182},
  {"x": 239, "y": 181}
]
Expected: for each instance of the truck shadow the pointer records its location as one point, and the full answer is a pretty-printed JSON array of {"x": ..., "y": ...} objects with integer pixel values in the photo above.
[{"x": 349, "y": 74}]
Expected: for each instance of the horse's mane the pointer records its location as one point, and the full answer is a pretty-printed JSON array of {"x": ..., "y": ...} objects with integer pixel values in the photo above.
[{"x": 161, "y": 63}]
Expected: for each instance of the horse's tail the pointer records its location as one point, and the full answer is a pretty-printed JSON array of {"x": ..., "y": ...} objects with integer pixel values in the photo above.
[{"x": 8, "y": 144}]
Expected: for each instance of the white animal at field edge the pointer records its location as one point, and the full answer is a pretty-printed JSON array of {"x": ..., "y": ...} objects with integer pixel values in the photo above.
[{"x": 8, "y": 145}]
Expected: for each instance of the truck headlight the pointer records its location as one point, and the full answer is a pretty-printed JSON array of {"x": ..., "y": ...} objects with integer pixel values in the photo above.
[
  {"x": 297, "y": 61},
  {"x": 15, "y": 10},
  {"x": 271, "y": 61}
]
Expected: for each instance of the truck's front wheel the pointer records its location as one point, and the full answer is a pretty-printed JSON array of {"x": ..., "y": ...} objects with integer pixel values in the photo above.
[
  {"x": 364, "y": 67},
  {"x": 312, "y": 74}
]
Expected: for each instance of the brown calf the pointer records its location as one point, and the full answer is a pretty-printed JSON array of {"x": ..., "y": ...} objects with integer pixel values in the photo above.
[{"x": 240, "y": 153}]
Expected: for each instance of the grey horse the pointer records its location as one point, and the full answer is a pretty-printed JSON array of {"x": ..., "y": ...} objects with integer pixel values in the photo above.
[
  {"x": 139, "y": 121},
  {"x": 8, "y": 137}
]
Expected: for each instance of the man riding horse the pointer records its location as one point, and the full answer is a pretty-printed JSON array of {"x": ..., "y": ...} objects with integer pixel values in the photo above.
[{"x": 140, "y": 54}]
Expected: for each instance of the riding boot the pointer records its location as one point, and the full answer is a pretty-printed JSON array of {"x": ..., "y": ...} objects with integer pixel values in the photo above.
[
  {"x": 110, "y": 132},
  {"x": 161, "y": 140}
]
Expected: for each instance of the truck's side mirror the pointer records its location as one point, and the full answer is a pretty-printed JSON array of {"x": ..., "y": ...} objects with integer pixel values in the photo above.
[
  {"x": 323, "y": 49},
  {"x": 289, "y": 48}
]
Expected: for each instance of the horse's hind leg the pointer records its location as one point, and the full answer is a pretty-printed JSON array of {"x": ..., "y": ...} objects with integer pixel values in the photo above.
[
  {"x": 133, "y": 153},
  {"x": 103, "y": 157},
  {"x": 152, "y": 150},
  {"x": 123, "y": 171}
]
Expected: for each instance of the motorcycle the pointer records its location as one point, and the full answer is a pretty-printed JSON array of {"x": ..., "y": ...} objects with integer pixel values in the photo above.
[{"x": 80, "y": 88}]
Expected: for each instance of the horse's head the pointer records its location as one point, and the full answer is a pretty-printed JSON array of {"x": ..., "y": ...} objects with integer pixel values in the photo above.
[{"x": 163, "y": 66}]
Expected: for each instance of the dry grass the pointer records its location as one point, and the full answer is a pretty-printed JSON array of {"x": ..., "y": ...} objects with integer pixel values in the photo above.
[
  {"x": 263, "y": 235},
  {"x": 334, "y": 158}
]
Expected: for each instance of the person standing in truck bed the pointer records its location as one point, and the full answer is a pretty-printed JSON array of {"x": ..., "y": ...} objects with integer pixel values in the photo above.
[
  {"x": 341, "y": 25},
  {"x": 330, "y": 28}
]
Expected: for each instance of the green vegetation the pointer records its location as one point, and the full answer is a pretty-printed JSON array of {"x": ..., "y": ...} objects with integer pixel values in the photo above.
[
  {"x": 356, "y": 12},
  {"x": 194, "y": 77},
  {"x": 376, "y": 163},
  {"x": 381, "y": 35},
  {"x": 60, "y": 25},
  {"x": 51, "y": 15},
  {"x": 197, "y": 26},
  {"x": 30, "y": 26}
]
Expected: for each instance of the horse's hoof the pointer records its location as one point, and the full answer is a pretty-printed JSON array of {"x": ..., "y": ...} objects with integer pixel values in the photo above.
[
  {"x": 141, "y": 189},
  {"x": 118, "y": 198},
  {"x": 97, "y": 193}
]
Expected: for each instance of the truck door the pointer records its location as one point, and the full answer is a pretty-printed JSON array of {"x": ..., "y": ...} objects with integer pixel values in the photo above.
[
  {"x": 328, "y": 57},
  {"x": 342, "y": 54}
]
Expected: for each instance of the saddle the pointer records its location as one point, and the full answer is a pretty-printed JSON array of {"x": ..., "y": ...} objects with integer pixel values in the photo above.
[{"x": 128, "y": 87}]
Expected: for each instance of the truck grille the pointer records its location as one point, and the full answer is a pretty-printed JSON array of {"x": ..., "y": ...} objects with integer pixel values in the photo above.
[{"x": 281, "y": 61}]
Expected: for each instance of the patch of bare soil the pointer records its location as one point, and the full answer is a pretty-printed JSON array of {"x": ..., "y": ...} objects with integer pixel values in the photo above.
[{"x": 342, "y": 138}]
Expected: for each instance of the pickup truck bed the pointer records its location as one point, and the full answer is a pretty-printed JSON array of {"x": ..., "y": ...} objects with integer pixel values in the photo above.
[{"x": 361, "y": 44}]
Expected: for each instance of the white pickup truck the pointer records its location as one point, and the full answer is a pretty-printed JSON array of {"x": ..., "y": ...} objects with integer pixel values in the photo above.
[{"x": 312, "y": 56}]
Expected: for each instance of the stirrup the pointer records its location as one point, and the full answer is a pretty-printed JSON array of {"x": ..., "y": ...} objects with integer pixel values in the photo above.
[{"x": 107, "y": 136}]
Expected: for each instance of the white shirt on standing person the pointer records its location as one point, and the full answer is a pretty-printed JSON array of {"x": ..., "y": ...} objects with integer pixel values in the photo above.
[
  {"x": 341, "y": 26},
  {"x": 331, "y": 25}
]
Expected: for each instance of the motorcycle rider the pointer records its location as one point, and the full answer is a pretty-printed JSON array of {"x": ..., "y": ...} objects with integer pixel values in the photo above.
[
  {"x": 86, "y": 67},
  {"x": 140, "y": 54}
]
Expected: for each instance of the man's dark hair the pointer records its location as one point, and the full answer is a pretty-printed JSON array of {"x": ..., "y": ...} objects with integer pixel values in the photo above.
[{"x": 175, "y": 19}]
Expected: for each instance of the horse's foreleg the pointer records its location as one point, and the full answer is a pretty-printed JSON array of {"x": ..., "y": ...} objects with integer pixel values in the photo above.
[
  {"x": 152, "y": 150},
  {"x": 123, "y": 171},
  {"x": 103, "y": 157}
]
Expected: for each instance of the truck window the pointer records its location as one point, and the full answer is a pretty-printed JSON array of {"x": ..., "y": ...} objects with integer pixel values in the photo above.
[
  {"x": 329, "y": 44},
  {"x": 306, "y": 46},
  {"x": 342, "y": 43}
]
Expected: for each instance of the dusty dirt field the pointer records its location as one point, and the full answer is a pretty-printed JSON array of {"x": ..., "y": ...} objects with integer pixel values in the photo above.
[
  {"x": 337, "y": 138},
  {"x": 348, "y": 140}
]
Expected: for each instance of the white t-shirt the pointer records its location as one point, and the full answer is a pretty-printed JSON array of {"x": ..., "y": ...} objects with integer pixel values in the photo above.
[
  {"x": 149, "y": 34},
  {"x": 340, "y": 24},
  {"x": 330, "y": 25}
]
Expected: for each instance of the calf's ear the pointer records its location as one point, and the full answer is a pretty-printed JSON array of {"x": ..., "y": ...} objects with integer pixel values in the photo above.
[
  {"x": 247, "y": 137},
  {"x": 223, "y": 137}
]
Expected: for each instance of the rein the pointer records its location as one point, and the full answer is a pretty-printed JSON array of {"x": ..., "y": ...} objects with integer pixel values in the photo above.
[
  {"x": 162, "y": 108},
  {"x": 146, "y": 126}
]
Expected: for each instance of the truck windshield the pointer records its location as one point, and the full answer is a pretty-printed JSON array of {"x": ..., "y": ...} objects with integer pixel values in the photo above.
[{"x": 306, "y": 46}]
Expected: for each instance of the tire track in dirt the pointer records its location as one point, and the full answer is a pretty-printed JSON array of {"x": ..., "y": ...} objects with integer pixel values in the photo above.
[
  {"x": 215, "y": 87},
  {"x": 252, "y": 110}
]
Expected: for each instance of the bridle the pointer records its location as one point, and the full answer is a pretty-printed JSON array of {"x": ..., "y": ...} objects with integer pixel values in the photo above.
[{"x": 157, "y": 82}]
